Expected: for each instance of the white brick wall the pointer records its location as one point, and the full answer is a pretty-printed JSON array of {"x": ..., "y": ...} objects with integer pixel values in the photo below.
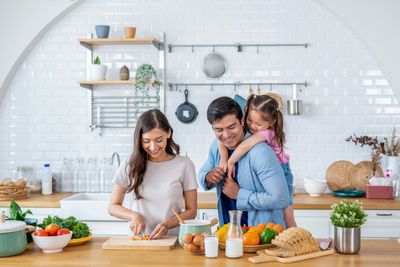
[{"x": 43, "y": 116}]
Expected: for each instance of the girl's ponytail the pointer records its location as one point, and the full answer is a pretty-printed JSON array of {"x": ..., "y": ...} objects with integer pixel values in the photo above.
[{"x": 278, "y": 127}]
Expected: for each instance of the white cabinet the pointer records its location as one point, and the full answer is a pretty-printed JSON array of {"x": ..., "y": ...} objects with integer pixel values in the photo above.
[
  {"x": 382, "y": 224},
  {"x": 315, "y": 221}
]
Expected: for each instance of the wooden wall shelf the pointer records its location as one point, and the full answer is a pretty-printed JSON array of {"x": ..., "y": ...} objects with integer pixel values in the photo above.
[{"x": 122, "y": 41}]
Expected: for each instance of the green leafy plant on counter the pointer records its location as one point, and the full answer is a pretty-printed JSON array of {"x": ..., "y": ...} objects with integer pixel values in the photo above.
[
  {"x": 16, "y": 212},
  {"x": 79, "y": 229},
  {"x": 348, "y": 214}
]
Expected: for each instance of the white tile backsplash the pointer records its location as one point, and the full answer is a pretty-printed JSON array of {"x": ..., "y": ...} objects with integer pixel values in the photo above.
[{"x": 43, "y": 115}]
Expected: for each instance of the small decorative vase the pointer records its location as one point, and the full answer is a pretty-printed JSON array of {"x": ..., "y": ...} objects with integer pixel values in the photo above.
[
  {"x": 130, "y": 32},
  {"x": 392, "y": 166},
  {"x": 102, "y": 31},
  {"x": 124, "y": 73},
  {"x": 347, "y": 240}
]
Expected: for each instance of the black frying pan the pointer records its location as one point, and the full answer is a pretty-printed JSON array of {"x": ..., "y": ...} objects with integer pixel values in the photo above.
[{"x": 186, "y": 112}]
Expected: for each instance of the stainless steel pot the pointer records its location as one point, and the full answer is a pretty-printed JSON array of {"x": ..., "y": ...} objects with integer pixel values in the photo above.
[
  {"x": 347, "y": 240},
  {"x": 12, "y": 238}
]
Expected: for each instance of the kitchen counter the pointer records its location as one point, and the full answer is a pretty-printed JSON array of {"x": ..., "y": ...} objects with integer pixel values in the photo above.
[
  {"x": 373, "y": 253},
  {"x": 208, "y": 200},
  {"x": 39, "y": 201}
]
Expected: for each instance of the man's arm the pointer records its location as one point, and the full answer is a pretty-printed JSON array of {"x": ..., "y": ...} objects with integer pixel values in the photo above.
[
  {"x": 207, "y": 167},
  {"x": 270, "y": 174}
]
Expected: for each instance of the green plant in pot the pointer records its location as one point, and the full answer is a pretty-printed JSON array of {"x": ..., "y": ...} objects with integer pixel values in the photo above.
[
  {"x": 97, "y": 70},
  {"x": 16, "y": 214},
  {"x": 146, "y": 76},
  {"x": 347, "y": 218}
]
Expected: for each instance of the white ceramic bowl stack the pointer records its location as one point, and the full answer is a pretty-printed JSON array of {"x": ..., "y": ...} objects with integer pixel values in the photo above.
[{"x": 314, "y": 187}]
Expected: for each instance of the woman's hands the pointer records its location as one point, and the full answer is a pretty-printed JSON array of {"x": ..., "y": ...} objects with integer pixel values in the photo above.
[
  {"x": 160, "y": 230},
  {"x": 137, "y": 224}
]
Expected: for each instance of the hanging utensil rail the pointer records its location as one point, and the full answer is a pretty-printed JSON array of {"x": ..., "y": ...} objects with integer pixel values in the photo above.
[
  {"x": 236, "y": 84},
  {"x": 238, "y": 46}
]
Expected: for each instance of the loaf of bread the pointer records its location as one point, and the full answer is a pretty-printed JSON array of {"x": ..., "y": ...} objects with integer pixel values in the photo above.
[{"x": 292, "y": 242}]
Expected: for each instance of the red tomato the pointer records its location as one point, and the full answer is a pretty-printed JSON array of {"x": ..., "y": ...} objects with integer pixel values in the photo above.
[
  {"x": 40, "y": 233},
  {"x": 63, "y": 231},
  {"x": 52, "y": 229}
]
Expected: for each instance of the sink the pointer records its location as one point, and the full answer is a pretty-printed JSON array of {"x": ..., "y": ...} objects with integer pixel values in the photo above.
[{"x": 89, "y": 206}]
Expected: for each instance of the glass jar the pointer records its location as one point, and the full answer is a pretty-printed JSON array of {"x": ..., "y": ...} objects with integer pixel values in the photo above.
[{"x": 234, "y": 241}]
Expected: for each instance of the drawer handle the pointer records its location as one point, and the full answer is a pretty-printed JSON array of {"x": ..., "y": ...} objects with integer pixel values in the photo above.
[{"x": 384, "y": 214}]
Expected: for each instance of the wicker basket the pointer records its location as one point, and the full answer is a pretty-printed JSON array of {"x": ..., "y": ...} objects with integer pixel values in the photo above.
[{"x": 10, "y": 191}]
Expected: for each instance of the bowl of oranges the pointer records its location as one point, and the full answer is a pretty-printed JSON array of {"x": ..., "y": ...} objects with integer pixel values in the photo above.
[
  {"x": 255, "y": 237},
  {"x": 52, "y": 239}
]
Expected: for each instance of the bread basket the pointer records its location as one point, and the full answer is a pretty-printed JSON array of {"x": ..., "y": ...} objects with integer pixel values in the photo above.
[{"x": 13, "y": 190}]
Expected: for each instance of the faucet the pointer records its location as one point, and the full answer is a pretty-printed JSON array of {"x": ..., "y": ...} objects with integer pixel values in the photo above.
[{"x": 115, "y": 154}]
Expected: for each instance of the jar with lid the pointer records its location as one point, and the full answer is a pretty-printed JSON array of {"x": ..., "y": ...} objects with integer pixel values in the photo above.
[{"x": 35, "y": 186}]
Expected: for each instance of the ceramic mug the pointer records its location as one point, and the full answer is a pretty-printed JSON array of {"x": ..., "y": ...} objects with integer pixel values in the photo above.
[{"x": 130, "y": 32}]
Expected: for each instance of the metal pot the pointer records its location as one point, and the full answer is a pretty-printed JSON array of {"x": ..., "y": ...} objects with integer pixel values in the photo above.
[
  {"x": 347, "y": 240},
  {"x": 195, "y": 226},
  {"x": 12, "y": 238},
  {"x": 186, "y": 112},
  {"x": 214, "y": 65}
]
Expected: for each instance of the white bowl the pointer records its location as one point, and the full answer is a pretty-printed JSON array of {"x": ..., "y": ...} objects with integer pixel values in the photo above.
[
  {"x": 315, "y": 189},
  {"x": 52, "y": 244}
]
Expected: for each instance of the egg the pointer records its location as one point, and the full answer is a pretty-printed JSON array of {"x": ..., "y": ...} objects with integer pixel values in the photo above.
[
  {"x": 187, "y": 238},
  {"x": 198, "y": 240},
  {"x": 193, "y": 248}
]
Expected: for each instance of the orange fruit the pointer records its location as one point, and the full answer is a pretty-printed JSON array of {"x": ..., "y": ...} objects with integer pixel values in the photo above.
[
  {"x": 278, "y": 228},
  {"x": 270, "y": 225},
  {"x": 261, "y": 226},
  {"x": 255, "y": 229},
  {"x": 251, "y": 238}
]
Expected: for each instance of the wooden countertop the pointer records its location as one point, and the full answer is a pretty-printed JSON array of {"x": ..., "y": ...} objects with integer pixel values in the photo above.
[
  {"x": 373, "y": 253},
  {"x": 39, "y": 201},
  {"x": 208, "y": 200}
]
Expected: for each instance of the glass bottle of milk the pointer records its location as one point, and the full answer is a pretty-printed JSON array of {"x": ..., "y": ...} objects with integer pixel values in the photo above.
[
  {"x": 47, "y": 188},
  {"x": 234, "y": 242}
]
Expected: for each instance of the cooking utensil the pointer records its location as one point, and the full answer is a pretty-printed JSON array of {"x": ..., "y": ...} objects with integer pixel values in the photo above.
[
  {"x": 12, "y": 237},
  {"x": 125, "y": 242},
  {"x": 186, "y": 112},
  {"x": 214, "y": 65},
  {"x": 294, "y": 106},
  {"x": 177, "y": 216},
  {"x": 195, "y": 226}
]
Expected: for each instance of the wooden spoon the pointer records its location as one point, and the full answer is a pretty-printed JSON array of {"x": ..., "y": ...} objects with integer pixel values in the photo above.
[{"x": 177, "y": 216}]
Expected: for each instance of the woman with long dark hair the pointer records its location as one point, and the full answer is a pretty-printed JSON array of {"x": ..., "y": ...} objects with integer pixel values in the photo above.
[{"x": 157, "y": 177}]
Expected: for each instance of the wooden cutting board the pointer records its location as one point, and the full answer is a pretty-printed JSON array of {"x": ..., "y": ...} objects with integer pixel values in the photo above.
[
  {"x": 262, "y": 257},
  {"x": 124, "y": 242}
]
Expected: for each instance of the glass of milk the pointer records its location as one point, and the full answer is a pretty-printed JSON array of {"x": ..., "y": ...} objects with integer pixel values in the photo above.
[{"x": 211, "y": 246}]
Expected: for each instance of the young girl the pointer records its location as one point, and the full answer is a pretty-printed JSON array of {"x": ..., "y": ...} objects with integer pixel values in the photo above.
[{"x": 265, "y": 121}]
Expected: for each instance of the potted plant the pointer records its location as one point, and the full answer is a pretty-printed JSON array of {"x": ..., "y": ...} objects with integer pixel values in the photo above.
[
  {"x": 97, "y": 71},
  {"x": 347, "y": 218},
  {"x": 146, "y": 76},
  {"x": 389, "y": 147},
  {"x": 16, "y": 214}
]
